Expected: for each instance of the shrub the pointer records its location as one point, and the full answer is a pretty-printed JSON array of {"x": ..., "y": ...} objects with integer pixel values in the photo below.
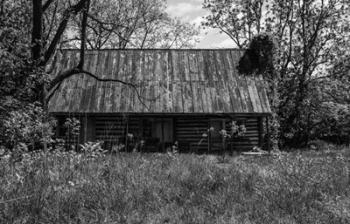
[
  {"x": 28, "y": 126},
  {"x": 93, "y": 149}
]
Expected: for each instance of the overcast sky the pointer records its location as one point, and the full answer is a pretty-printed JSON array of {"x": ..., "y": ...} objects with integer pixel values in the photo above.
[{"x": 191, "y": 11}]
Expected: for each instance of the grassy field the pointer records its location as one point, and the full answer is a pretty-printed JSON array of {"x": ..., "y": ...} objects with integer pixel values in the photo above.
[{"x": 309, "y": 187}]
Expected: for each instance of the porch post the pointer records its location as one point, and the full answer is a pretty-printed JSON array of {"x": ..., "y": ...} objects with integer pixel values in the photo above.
[
  {"x": 261, "y": 130},
  {"x": 268, "y": 133}
]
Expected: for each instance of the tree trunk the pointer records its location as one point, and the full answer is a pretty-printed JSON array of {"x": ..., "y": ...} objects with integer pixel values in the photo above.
[
  {"x": 274, "y": 121},
  {"x": 46, "y": 115},
  {"x": 37, "y": 30}
]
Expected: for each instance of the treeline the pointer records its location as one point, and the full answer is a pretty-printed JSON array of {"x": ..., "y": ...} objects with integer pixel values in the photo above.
[{"x": 302, "y": 48}]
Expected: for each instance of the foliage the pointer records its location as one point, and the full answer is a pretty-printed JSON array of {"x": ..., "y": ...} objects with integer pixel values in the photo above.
[
  {"x": 31, "y": 33},
  {"x": 28, "y": 126},
  {"x": 331, "y": 114},
  {"x": 235, "y": 130},
  {"x": 240, "y": 20},
  {"x": 311, "y": 47},
  {"x": 72, "y": 126},
  {"x": 19, "y": 80},
  {"x": 93, "y": 149},
  {"x": 175, "y": 188},
  {"x": 133, "y": 24},
  {"x": 258, "y": 58},
  {"x": 333, "y": 122}
]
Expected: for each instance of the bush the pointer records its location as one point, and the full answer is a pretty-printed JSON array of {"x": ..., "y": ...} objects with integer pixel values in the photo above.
[{"x": 28, "y": 127}]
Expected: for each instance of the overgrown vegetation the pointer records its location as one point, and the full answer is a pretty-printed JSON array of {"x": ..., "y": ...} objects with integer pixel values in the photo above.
[
  {"x": 66, "y": 187},
  {"x": 310, "y": 99},
  {"x": 301, "y": 48},
  {"x": 33, "y": 31}
]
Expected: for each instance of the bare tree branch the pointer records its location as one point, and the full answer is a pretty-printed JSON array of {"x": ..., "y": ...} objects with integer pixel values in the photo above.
[
  {"x": 46, "y": 5},
  {"x": 104, "y": 24},
  {"x": 61, "y": 28},
  {"x": 51, "y": 26},
  {"x": 56, "y": 83}
]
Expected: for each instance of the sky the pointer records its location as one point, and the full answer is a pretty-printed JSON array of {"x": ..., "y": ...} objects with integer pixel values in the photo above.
[{"x": 191, "y": 11}]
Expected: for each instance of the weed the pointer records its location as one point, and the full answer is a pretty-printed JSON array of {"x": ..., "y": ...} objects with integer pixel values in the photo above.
[{"x": 68, "y": 187}]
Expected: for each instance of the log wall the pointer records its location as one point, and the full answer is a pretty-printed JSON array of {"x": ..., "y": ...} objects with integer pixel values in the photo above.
[
  {"x": 113, "y": 130},
  {"x": 251, "y": 137},
  {"x": 191, "y": 132}
]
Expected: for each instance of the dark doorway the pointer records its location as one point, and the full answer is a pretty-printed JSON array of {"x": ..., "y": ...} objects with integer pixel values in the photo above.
[{"x": 158, "y": 133}]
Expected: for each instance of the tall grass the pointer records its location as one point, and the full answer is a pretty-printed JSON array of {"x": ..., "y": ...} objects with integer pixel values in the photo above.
[{"x": 169, "y": 188}]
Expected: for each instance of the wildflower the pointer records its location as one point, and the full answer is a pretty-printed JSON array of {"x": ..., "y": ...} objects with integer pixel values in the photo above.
[
  {"x": 71, "y": 183},
  {"x": 223, "y": 132},
  {"x": 2, "y": 151},
  {"x": 19, "y": 178},
  {"x": 54, "y": 176}
]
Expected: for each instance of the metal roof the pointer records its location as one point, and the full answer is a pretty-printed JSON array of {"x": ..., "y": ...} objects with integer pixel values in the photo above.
[{"x": 169, "y": 81}]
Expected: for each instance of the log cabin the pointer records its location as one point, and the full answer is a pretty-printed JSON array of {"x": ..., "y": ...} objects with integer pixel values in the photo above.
[{"x": 180, "y": 98}]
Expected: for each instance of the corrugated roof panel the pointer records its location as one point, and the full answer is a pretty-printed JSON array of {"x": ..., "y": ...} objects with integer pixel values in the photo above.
[
  {"x": 256, "y": 95},
  {"x": 168, "y": 81},
  {"x": 200, "y": 66},
  {"x": 195, "y": 99},
  {"x": 203, "y": 95},
  {"x": 108, "y": 101},
  {"x": 193, "y": 66},
  {"x": 253, "y": 97},
  {"x": 113, "y": 90},
  {"x": 100, "y": 86},
  {"x": 262, "y": 94},
  {"x": 63, "y": 101}
]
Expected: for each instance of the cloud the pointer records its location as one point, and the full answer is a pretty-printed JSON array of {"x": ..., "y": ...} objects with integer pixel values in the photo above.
[
  {"x": 227, "y": 43},
  {"x": 185, "y": 11},
  {"x": 198, "y": 20},
  {"x": 191, "y": 11},
  {"x": 213, "y": 39},
  {"x": 198, "y": 2}
]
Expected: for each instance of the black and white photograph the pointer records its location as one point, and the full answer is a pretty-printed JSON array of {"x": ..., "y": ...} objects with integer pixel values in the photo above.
[{"x": 175, "y": 111}]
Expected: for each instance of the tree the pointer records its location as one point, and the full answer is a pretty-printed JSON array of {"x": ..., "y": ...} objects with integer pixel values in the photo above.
[
  {"x": 311, "y": 36},
  {"x": 16, "y": 83},
  {"x": 168, "y": 33},
  {"x": 330, "y": 100},
  {"x": 239, "y": 19},
  {"x": 141, "y": 23},
  {"x": 31, "y": 33},
  {"x": 132, "y": 24},
  {"x": 27, "y": 50}
]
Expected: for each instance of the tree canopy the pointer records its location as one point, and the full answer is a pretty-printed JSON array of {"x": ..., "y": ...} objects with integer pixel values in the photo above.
[
  {"x": 31, "y": 32},
  {"x": 132, "y": 24},
  {"x": 311, "y": 39}
]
